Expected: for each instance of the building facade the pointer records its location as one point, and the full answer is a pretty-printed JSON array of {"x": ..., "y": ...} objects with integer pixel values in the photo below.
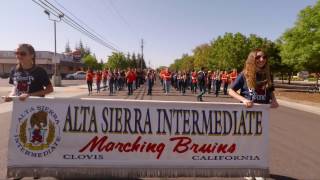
[{"x": 68, "y": 63}]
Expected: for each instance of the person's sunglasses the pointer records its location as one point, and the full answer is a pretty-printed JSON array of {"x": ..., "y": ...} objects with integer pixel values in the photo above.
[
  {"x": 21, "y": 53},
  {"x": 264, "y": 57}
]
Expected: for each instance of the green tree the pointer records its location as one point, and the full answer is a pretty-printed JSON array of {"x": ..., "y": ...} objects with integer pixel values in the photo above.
[
  {"x": 176, "y": 65},
  {"x": 255, "y": 42},
  {"x": 301, "y": 43},
  {"x": 228, "y": 52},
  {"x": 100, "y": 65},
  {"x": 139, "y": 61},
  {"x": 276, "y": 63},
  {"x": 185, "y": 63},
  {"x": 231, "y": 50},
  {"x": 90, "y": 62},
  {"x": 201, "y": 56},
  {"x": 117, "y": 61},
  {"x": 134, "y": 63}
]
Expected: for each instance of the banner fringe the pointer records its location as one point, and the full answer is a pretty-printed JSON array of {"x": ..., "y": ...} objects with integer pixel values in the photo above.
[{"x": 85, "y": 173}]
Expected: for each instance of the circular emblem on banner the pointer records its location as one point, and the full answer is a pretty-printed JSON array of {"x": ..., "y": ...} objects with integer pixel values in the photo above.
[{"x": 38, "y": 132}]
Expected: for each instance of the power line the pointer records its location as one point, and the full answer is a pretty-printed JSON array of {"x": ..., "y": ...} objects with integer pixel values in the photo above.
[
  {"x": 59, "y": 4},
  {"x": 85, "y": 30},
  {"x": 57, "y": 12},
  {"x": 117, "y": 12},
  {"x": 89, "y": 35}
]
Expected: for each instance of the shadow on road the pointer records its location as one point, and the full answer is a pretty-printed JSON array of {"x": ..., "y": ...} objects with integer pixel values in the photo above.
[
  {"x": 280, "y": 177},
  {"x": 293, "y": 90},
  {"x": 105, "y": 178}
]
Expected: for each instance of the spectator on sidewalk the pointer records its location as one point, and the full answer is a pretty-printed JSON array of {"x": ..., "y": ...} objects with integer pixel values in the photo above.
[
  {"x": 255, "y": 82},
  {"x": 28, "y": 78}
]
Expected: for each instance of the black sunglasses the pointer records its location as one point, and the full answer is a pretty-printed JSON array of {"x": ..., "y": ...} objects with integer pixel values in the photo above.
[{"x": 264, "y": 57}]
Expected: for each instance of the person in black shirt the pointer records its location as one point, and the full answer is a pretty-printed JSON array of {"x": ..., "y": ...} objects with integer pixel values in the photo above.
[
  {"x": 27, "y": 78},
  {"x": 201, "y": 83},
  {"x": 150, "y": 78},
  {"x": 255, "y": 82}
]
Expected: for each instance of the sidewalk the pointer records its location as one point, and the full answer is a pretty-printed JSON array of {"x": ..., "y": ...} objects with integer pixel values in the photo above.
[
  {"x": 59, "y": 92},
  {"x": 300, "y": 106},
  {"x": 295, "y": 82},
  {"x": 69, "y": 91}
]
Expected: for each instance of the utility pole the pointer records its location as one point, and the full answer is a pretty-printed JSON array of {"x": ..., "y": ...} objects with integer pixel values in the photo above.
[
  {"x": 141, "y": 54},
  {"x": 56, "y": 78}
]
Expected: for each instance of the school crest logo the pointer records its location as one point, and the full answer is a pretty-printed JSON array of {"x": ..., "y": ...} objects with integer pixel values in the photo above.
[{"x": 38, "y": 133}]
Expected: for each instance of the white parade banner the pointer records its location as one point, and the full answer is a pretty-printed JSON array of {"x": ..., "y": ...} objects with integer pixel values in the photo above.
[{"x": 49, "y": 137}]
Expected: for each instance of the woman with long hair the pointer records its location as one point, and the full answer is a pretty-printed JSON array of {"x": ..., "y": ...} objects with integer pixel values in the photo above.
[
  {"x": 255, "y": 82},
  {"x": 27, "y": 78}
]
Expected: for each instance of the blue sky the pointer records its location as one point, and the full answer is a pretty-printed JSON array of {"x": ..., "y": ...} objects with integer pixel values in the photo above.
[{"x": 168, "y": 27}]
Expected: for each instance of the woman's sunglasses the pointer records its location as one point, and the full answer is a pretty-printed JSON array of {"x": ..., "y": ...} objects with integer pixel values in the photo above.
[
  {"x": 20, "y": 53},
  {"x": 264, "y": 57}
]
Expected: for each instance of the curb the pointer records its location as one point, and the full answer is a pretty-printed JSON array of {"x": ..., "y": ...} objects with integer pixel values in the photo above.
[{"x": 301, "y": 107}]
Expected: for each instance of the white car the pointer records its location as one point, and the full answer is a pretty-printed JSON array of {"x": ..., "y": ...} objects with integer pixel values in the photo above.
[{"x": 77, "y": 75}]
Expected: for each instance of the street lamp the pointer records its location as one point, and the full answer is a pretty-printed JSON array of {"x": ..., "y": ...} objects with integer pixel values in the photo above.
[{"x": 56, "y": 78}]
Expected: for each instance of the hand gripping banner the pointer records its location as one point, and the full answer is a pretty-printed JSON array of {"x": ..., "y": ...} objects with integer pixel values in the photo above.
[{"x": 123, "y": 138}]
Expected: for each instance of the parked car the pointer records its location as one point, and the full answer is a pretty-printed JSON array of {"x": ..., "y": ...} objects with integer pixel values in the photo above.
[
  {"x": 303, "y": 74},
  {"x": 4, "y": 75},
  {"x": 77, "y": 75}
]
